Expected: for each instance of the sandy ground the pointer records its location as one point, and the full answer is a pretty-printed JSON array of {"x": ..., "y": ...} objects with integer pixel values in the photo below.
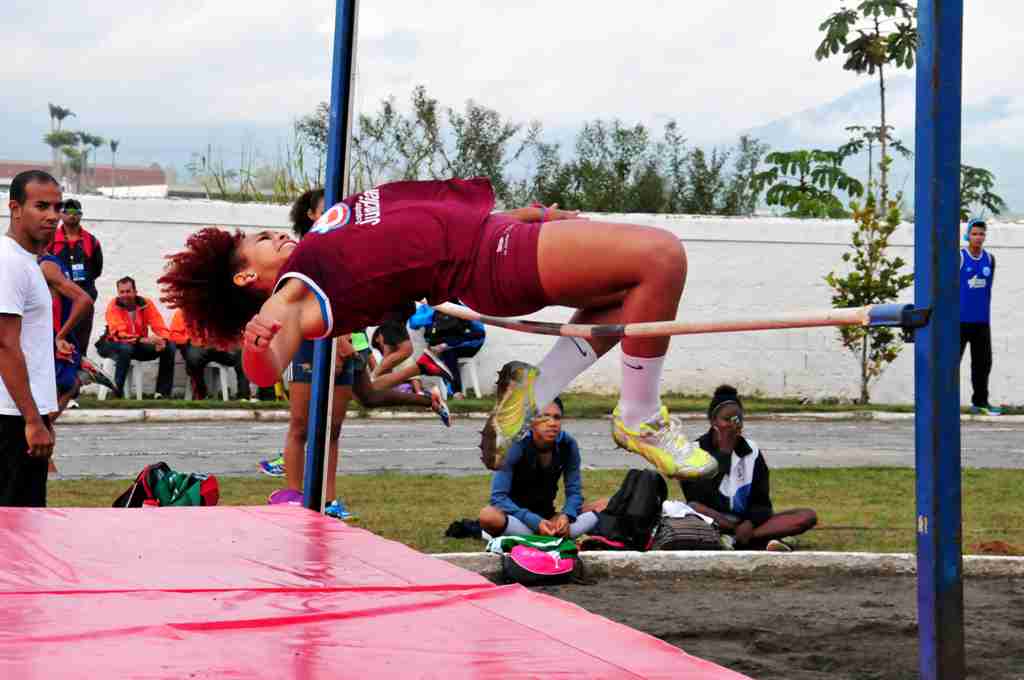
[{"x": 812, "y": 628}]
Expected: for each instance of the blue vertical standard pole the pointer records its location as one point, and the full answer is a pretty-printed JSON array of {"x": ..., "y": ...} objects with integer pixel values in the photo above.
[
  {"x": 940, "y": 598},
  {"x": 338, "y": 135}
]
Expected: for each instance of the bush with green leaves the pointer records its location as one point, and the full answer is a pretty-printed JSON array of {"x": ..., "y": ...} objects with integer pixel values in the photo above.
[
  {"x": 976, "y": 195},
  {"x": 874, "y": 278}
]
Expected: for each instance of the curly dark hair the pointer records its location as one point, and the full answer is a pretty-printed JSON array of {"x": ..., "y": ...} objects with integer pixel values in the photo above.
[
  {"x": 198, "y": 280},
  {"x": 301, "y": 224}
]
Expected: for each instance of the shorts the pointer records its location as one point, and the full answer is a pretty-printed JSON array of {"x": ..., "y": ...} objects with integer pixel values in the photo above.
[
  {"x": 22, "y": 478},
  {"x": 302, "y": 366},
  {"x": 504, "y": 277}
]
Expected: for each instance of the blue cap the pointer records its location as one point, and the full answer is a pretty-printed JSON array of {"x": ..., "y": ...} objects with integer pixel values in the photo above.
[{"x": 970, "y": 223}]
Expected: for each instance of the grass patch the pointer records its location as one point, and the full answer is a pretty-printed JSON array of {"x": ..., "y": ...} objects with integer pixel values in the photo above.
[{"x": 859, "y": 509}]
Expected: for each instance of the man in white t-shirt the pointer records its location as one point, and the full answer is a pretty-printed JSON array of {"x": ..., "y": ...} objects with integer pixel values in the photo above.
[{"x": 28, "y": 388}]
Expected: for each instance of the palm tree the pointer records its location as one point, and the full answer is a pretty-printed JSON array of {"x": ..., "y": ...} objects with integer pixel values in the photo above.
[
  {"x": 58, "y": 140},
  {"x": 57, "y": 116},
  {"x": 114, "y": 143},
  {"x": 75, "y": 160},
  {"x": 95, "y": 141}
]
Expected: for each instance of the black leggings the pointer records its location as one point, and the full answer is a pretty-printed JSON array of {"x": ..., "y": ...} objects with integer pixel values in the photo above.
[{"x": 980, "y": 337}]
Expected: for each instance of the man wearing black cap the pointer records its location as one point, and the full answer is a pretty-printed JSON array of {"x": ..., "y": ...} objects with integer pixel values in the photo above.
[
  {"x": 82, "y": 256},
  {"x": 737, "y": 497}
]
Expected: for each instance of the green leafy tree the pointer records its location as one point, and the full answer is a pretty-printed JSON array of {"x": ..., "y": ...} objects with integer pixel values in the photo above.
[
  {"x": 976, "y": 193},
  {"x": 376, "y": 156},
  {"x": 420, "y": 136},
  {"x": 311, "y": 131},
  {"x": 483, "y": 144},
  {"x": 647, "y": 192},
  {"x": 873, "y": 278},
  {"x": 875, "y": 35},
  {"x": 805, "y": 182},
  {"x": 609, "y": 158},
  {"x": 674, "y": 156},
  {"x": 862, "y": 137},
  {"x": 705, "y": 181},
  {"x": 741, "y": 192},
  {"x": 553, "y": 181}
]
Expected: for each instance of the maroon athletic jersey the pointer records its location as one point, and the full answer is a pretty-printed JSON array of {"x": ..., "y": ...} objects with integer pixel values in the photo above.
[{"x": 391, "y": 245}]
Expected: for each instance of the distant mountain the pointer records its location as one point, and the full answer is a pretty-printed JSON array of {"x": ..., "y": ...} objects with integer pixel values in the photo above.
[{"x": 991, "y": 136}]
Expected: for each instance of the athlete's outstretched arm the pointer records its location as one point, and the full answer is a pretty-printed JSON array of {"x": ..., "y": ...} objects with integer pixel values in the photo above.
[{"x": 273, "y": 336}]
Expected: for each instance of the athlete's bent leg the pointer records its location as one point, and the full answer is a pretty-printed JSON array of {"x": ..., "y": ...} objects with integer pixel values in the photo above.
[{"x": 612, "y": 273}]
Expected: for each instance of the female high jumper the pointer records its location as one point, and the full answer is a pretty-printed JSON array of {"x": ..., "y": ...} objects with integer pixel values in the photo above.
[{"x": 378, "y": 250}]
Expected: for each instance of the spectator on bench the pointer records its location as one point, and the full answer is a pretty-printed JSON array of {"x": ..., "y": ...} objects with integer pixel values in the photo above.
[
  {"x": 136, "y": 331},
  {"x": 197, "y": 357},
  {"x": 523, "y": 491},
  {"x": 737, "y": 497}
]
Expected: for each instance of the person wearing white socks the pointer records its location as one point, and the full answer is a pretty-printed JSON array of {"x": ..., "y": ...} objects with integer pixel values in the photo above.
[
  {"x": 614, "y": 275},
  {"x": 445, "y": 241}
]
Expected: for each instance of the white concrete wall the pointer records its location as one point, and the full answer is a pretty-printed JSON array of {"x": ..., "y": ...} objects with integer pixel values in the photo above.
[
  {"x": 738, "y": 267},
  {"x": 145, "y": 191}
]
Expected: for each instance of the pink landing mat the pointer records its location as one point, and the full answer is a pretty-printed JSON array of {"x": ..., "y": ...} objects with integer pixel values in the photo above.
[{"x": 281, "y": 592}]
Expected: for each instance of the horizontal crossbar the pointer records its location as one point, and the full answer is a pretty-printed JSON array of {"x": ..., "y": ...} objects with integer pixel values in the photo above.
[{"x": 904, "y": 316}]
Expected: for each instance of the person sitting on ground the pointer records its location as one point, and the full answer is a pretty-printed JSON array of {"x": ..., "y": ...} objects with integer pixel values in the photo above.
[
  {"x": 136, "y": 331},
  {"x": 738, "y": 497},
  {"x": 197, "y": 357},
  {"x": 523, "y": 491}
]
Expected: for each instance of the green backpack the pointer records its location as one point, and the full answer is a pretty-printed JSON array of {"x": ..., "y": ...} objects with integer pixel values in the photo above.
[{"x": 159, "y": 485}]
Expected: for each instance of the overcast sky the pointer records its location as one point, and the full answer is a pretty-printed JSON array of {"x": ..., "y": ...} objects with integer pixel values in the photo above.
[{"x": 718, "y": 67}]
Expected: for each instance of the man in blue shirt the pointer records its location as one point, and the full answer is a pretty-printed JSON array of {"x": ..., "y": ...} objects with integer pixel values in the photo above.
[
  {"x": 977, "y": 272},
  {"x": 523, "y": 491}
]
